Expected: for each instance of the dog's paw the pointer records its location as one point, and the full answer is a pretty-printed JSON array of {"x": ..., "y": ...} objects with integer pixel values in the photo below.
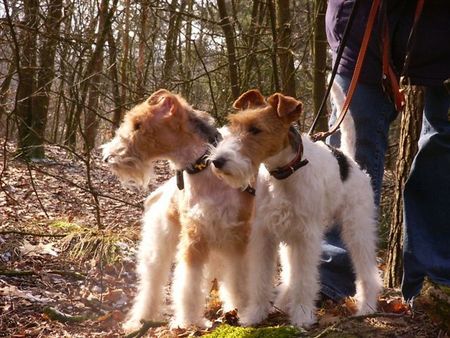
[
  {"x": 131, "y": 325},
  {"x": 303, "y": 316},
  {"x": 365, "y": 309},
  {"x": 253, "y": 315},
  {"x": 282, "y": 301}
]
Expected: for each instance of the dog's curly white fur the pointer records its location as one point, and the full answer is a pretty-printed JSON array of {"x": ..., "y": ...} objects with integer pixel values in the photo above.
[
  {"x": 206, "y": 219},
  {"x": 296, "y": 211}
]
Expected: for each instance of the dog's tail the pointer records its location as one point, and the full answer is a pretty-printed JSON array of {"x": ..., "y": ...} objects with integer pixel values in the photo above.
[{"x": 347, "y": 128}]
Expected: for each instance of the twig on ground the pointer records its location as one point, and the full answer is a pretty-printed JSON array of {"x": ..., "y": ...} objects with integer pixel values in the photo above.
[
  {"x": 146, "y": 325},
  {"x": 62, "y": 317},
  {"x": 24, "y": 233},
  {"x": 16, "y": 273},
  {"x": 35, "y": 191},
  {"x": 335, "y": 326}
]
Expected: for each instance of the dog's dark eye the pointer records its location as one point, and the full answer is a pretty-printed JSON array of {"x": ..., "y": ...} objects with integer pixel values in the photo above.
[
  {"x": 137, "y": 125},
  {"x": 254, "y": 130}
]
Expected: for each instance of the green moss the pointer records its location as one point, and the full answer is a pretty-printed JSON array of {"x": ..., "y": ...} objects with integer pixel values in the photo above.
[
  {"x": 64, "y": 225},
  {"x": 227, "y": 331}
]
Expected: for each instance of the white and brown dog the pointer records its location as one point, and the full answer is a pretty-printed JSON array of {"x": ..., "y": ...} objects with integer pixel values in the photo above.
[
  {"x": 206, "y": 218},
  {"x": 295, "y": 207}
]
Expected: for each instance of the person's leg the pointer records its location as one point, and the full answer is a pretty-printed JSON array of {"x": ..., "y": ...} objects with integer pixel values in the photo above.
[
  {"x": 372, "y": 112},
  {"x": 427, "y": 199}
]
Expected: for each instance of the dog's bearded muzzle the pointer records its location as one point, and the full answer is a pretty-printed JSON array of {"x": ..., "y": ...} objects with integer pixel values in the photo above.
[
  {"x": 237, "y": 174},
  {"x": 129, "y": 168}
]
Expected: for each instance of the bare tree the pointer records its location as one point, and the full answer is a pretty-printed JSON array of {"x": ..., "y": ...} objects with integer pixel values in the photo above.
[
  {"x": 273, "y": 26},
  {"x": 409, "y": 135},
  {"x": 285, "y": 48},
  {"x": 90, "y": 75},
  {"x": 228, "y": 32},
  {"x": 171, "y": 42},
  {"x": 320, "y": 61},
  {"x": 27, "y": 84},
  {"x": 45, "y": 75}
]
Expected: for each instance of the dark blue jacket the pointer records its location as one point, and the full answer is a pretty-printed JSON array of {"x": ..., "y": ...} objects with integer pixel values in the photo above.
[{"x": 430, "y": 58}]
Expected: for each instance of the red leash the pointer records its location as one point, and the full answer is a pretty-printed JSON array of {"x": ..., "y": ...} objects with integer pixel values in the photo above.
[
  {"x": 390, "y": 80},
  {"x": 359, "y": 62}
]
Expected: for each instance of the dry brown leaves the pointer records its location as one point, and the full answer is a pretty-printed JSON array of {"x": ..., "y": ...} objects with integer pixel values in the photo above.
[{"x": 43, "y": 292}]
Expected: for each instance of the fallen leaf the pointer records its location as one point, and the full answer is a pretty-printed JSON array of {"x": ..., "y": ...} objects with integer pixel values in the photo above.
[
  {"x": 28, "y": 249},
  {"x": 394, "y": 306},
  {"x": 328, "y": 319},
  {"x": 13, "y": 291},
  {"x": 116, "y": 296}
]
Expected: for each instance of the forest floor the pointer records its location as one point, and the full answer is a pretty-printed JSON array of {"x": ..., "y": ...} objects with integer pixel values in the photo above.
[{"x": 67, "y": 266}]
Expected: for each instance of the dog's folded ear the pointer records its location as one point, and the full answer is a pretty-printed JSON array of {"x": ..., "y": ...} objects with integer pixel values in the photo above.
[
  {"x": 286, "y": 107},
  {"x": 250, "y": 99},
  {"x": 157, "y": 96},
  {"x": 164, "y": 103}
]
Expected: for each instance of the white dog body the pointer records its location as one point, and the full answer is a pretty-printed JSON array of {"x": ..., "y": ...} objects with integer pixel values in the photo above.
[
  {"x": 203, "y": 226},
  {"x": 297, "y": 210}
]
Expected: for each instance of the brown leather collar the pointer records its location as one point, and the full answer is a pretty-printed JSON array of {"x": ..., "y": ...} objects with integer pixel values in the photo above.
[{"x": 287, "y": 170}]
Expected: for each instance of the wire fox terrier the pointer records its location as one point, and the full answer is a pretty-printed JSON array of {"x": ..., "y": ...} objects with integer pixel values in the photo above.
[
  {"x": 295, "y": 207},
  {"x": 195, "y": 218}
]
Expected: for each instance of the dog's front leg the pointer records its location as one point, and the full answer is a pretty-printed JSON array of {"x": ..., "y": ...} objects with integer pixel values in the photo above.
[
  {"x": 262, "y": 251},
  {"x": 233, "y": 290},
  {"x": 187, "y": 293},
  {"x": 155, "y": 257},
  {"x": 302, "y": 259}
]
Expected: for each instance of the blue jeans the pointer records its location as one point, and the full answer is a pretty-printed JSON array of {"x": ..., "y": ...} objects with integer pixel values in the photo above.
[
  {"x": 426, "y": 250},
  {"x": 372, "y": 113},
  {"x": 426, "y": 195}
]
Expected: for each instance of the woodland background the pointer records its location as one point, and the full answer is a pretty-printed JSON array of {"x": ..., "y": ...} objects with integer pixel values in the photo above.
[{"x": 69, "y": 70}]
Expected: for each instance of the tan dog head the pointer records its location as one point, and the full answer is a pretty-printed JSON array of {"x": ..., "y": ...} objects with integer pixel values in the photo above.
[
  {"x": 150, "y": 131},
  {"x": 258, "y": 131}
]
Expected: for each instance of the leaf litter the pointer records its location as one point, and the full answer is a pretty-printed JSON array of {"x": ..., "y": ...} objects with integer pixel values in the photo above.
[{"x": 63, "y": 276}]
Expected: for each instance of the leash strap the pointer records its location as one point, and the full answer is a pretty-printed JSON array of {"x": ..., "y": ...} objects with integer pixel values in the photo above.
[
  {"x": 339, "y": 53},
  {"x": 412, "y": 36},
  {"x": 357, "y": 72},
  {"x": 390, "y": 83}
]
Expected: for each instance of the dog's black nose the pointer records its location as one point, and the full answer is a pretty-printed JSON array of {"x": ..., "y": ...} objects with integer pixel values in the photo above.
[{"x": 219, "y": 162}]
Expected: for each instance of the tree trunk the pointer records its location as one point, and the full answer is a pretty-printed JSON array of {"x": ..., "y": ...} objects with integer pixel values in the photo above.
[
  {"x": 27, "y": 83},
  {"x": 187, "y": 68},
  {"x": 171, "y": 42},
  {"x": 409, "y": 135},
  {"x": 273, "y": 27},
  {"x": 114, "y": 73},
  {"x": 284, "y": 50},
  {"x": 94, "y": 72},
  {"x": 252, "y": 42},
  {"x": 92, "y": 66},
  {"x": 4, "y": 90},
  {"x": 45, "y": 76},
  {"x": 74, "y": 111},
  {"x": 125, "y": 52},
  {"x": 140, "y": 67},
  {"x": 228, "y": 31},
  {"x": 320, "y": 62}
]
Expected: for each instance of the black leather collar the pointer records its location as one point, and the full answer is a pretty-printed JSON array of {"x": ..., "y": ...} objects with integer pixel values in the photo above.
[
  {"x": 200, "y": 164},
  {"x": 287, "y": 170}
]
